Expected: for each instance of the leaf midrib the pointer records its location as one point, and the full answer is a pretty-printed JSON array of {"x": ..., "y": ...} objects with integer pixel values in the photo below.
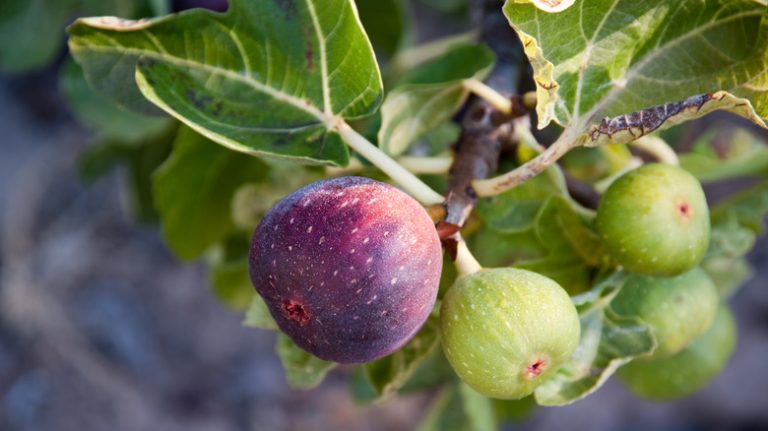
[
  {"x": 301, "y": 104},
  {"x": 632, "y": 72}
]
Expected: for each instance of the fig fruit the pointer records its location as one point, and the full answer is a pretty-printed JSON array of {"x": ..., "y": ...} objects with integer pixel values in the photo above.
[
  {"x": 678, "y": 309},
  {"x": 348, "y": 267},
  {"x": 688, "y": 371},
  {"x": 505, "y": 330},
  {"x": 655, "y": 220}
]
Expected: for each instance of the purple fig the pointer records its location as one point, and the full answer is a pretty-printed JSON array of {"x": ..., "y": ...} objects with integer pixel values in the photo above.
[{"x": 349, "y": 267}]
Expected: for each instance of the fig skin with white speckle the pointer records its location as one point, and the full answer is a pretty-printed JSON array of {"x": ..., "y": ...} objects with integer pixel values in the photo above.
[
  {"x": 654, "y": 220},
  {"x": 507, "y": 330},
  {"x": 349, "y": 267}
]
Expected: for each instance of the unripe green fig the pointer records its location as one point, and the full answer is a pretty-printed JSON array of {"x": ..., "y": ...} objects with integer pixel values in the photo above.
[
  {"x": 655, "y": 220},
  {"x": 678, "y": 309},
  {"x": 505, "y": 330},
  {"x": 688, "y": 371}
]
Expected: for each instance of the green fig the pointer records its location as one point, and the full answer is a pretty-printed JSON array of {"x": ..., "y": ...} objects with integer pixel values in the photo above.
[
  {"x": 506, "y": 330},
  {"x": 678, "y": 309},
  {"x": 688, "y": 371},
  {"x": 655, "y": 220}
]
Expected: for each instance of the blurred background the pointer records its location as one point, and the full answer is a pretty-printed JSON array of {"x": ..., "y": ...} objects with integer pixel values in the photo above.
[{"x": 102, "y": 328}]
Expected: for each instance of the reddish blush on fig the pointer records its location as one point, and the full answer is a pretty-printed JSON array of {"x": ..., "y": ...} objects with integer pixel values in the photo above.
[{"x": 349, "y": 267}]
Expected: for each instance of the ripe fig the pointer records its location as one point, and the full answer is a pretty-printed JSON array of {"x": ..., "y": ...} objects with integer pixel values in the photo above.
[
  {"x": 687, "y": 371},
  {"x": 349, "y": 267},
  {"x": 655, "y": 220},
  {"x": 678, "y": 309},
  {"x": 505, "y": 330}
]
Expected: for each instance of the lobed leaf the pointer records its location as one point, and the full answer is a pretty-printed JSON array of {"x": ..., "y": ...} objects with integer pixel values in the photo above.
[
  {"x": 614, "y": 57},
  {"x": 267, "y": 78}
]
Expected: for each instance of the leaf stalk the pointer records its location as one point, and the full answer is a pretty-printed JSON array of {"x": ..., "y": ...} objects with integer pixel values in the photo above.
[{"x": 408, "y": 181}]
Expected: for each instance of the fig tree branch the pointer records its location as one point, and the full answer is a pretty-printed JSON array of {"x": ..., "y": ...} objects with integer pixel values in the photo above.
[
  {"x": 485, "y": 128},
  {"x": 521, "y": 174}
]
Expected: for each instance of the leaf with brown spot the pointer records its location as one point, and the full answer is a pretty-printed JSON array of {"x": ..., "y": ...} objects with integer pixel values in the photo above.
[{"x": 267, "y": 78}]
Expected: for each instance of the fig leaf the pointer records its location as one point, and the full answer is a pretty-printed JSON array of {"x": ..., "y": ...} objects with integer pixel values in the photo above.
[
  {"x": 606, "y": 59},
  {"x": 265, "y": 78}
]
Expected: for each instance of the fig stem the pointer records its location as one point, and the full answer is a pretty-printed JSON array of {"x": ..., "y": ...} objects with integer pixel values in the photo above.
[
  {"x": 493, "y": 97},
  {"x": 497, "y": 185},
  {"x": 465, "y": 262},
  {"x": 658, "y": 148},
  {"x": 410, "y": 183}
]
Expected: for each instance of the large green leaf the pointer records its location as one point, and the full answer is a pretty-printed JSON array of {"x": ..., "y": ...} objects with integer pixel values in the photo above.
[
  {"x": 267, "y": 78},
  {"x": 616, "y": 57},
  {"x": 607, "y": 342},
  {"x": 430, "y": 94},
  {"x": 391, "y": 372},
  {"x": 302, "y": 370},
  {"x": 194, "y": 189}
]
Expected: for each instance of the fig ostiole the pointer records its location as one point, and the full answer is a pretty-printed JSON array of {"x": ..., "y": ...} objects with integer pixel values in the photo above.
[
  {"x": 348, "y": 267},
  {"x": 677, "y": 309},
  {"x": 505, "y": 330},
  {"x": 654, "y": 220},
  {"x": 687, "y": 371}
]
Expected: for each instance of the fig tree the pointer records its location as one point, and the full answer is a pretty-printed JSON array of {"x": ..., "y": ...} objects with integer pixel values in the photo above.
[
  {"x": 655, "y": 220},
  {"x": 687, "y": 371},
  {"x": 505, "y": 330},
  {"x": 349, "y": 267},
  {"x": 678, "y": 309}
]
